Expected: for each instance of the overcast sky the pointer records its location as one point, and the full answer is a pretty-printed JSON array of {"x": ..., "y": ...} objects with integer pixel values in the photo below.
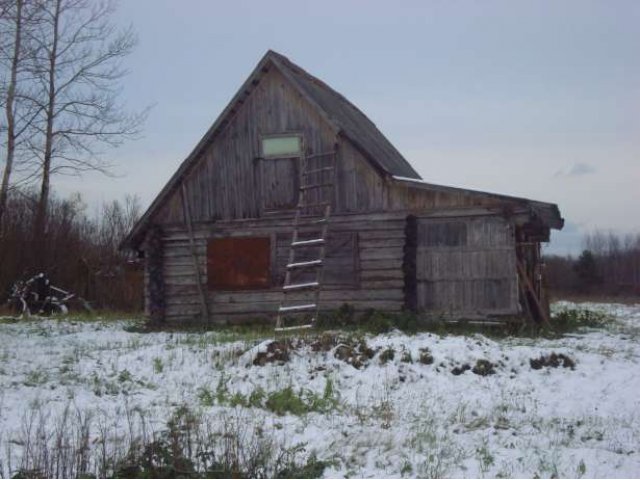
[{"x": 535, "y": 99}]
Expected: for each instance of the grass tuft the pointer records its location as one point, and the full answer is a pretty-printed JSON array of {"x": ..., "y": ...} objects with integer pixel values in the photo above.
[{"x": 576, "y": 319}]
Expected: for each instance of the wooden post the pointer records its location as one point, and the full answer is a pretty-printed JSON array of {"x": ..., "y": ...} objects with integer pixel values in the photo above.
[
  {"x": 527, "y": 283},
  {"x": 409, "y": 267},
  {"x": 525, "y": 301},
  {"x": 192, "y": 243},
  {"x": 155, "y": 271}
]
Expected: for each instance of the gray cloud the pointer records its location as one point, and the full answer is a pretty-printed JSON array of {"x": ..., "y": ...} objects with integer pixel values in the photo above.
[
  {"x": 576, "y": 170},
  {"x": 581, "y": 169}
]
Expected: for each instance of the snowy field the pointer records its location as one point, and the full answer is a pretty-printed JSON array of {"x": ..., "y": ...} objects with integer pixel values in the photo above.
[{"x": 391, "y": 405}]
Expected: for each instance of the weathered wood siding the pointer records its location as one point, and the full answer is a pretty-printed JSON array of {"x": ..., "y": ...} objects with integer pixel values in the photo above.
[
  {"x": 359, "y": 187},
  {"x": 279, "y": 181},
  {"x": 423, "y": 198},
  {"x": 229, "y": 182},
  {"x": 376, "y": 241},
  {"x": 466, "y": 266}
]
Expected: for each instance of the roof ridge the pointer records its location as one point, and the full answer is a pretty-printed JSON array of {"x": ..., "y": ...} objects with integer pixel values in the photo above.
[
  {"x": 383, "y": 154},
  {"x": 298, "y": 69}
]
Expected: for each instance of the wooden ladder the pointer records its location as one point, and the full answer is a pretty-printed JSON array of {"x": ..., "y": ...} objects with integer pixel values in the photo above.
[{"x": 303, "y": 277}]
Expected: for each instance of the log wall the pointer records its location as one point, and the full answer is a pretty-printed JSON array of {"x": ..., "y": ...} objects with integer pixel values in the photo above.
[{"x": 375, "y": 241}]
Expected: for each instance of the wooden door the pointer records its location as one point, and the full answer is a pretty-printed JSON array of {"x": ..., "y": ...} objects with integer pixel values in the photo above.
[
  {"x": 466, "y": 266},
  {"x": 280, "y": 182}
]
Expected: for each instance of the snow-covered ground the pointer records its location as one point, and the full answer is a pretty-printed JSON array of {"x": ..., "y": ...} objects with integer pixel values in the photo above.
[{"x": 406, "y": 416}]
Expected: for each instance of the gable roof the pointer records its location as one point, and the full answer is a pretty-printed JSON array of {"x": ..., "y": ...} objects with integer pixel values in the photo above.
[{"x": 345, "y": 118}]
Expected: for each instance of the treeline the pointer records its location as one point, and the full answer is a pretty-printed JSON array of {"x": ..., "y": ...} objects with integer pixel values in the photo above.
[
  {"x": 82, "y": 249},
  {"x": 609, "y": 265}
]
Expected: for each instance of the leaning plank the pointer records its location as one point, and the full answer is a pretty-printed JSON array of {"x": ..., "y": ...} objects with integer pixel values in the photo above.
[
  {"x": 196, "y": 263},
  {"x": 529, "y": 287}
]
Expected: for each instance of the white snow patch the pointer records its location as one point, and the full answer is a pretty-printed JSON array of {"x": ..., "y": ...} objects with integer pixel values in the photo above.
[{"x": 393, "y": 419}]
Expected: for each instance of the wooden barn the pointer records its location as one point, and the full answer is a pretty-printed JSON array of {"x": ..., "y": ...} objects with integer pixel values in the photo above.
[{"x": 294, "y": 201}]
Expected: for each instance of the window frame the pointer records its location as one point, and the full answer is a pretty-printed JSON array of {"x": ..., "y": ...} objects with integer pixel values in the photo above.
[{"x": 264, "y": 137}]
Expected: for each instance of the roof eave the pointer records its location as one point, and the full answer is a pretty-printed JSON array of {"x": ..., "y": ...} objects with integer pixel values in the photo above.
[{"x": 549, "y": 213}]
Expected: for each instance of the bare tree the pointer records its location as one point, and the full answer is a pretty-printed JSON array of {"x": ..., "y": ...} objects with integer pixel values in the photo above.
[
  {"x": 609, "y": 265},
  {"x": 17, "y": 18},
  {"x": 77, "y": 75},
  {"x": 10, "y": 93},
  {"x": 116, "y": 221}
]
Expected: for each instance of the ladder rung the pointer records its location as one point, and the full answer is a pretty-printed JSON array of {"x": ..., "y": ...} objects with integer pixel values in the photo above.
[
  {"x": 318, "y": 170},
  {"x": 296, "y": 308},
  {"x": 295, "y": 327},
  {"x": 300, "y": 286},
  {"x": 310, "y": 263},
  {"x": 308, "y": 243},
  {"x": 317, "y": 185}
]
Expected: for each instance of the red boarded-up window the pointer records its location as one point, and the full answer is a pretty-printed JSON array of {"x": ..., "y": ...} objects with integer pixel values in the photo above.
[{"x": 239, "y": 263}]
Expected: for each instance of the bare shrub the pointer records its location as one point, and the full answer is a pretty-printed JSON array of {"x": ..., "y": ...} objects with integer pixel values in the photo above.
[
  {"x": 608, "y": 266},
  {"x": 82, "y": 254},
  {"x": 232, "y": 443}
]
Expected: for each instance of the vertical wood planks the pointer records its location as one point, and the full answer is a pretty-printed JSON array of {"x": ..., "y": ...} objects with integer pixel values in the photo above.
[{"x": 466, "y": 266}]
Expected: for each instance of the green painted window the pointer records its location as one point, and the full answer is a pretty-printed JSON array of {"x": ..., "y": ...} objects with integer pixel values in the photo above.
[{"x": 282, "y": 146}]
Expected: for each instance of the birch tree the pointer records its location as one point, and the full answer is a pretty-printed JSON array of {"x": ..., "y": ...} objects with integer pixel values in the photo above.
[
  {"x": 77, "y": 74},
  {"x": 17, "y": 19}
]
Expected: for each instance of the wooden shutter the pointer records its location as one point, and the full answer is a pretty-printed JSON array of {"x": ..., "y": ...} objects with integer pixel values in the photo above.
[{"x": 239, "y": 263}]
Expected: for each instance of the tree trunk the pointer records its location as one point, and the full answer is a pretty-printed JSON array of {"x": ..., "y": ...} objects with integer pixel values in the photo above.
[
  {"x": 11, "y": 127},
  {"x": 43, "y": 202}
]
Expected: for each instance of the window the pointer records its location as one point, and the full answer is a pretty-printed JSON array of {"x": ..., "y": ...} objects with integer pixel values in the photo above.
[
  {"x": 239, "y": 263},
  {"x": 281, "y": 146}
]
